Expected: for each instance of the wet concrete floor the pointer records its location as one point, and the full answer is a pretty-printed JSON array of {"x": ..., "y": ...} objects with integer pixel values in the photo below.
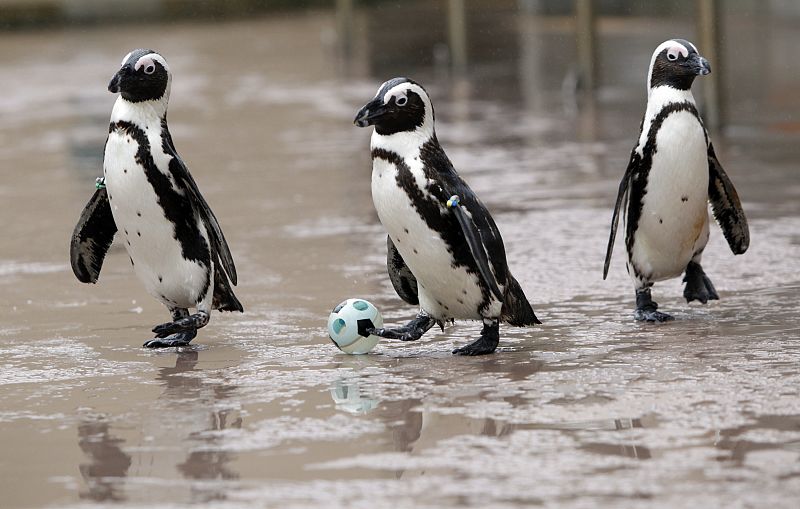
[{"x": 588, "y": 410}]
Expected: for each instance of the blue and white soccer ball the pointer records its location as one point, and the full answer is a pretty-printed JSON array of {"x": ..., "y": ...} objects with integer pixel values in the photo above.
[{"x": 348, "y": 322}]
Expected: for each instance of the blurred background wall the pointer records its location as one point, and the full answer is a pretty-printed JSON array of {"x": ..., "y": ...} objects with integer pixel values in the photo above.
[{"x": 594, "y": 38}]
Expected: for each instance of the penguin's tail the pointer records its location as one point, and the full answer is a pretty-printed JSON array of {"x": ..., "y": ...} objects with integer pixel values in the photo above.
[
  {"x": 224, "y": 298},
  {"x": 517, "y": 311}
]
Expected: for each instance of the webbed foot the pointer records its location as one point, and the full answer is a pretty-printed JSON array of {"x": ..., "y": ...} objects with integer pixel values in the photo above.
[
  {"x": 698, "y": 286},
  {"x": 411, "y": 331},
  {"x": 185, "y": 324},
  {"x": 178, "y": 339},
  {"x": 651, "y": 315},
  {"x": 487, "y": 343},
  {"x": 647, "y": 310}
]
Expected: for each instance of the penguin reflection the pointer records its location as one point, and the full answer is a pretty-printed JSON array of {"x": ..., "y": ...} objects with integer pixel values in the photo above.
[
  {"x": 108, "y": 463},
  {"x": 199, "y": 395}
]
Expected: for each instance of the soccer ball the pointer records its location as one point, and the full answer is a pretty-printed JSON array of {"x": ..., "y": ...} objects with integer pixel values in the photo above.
[{"x": 348, "y": 323}]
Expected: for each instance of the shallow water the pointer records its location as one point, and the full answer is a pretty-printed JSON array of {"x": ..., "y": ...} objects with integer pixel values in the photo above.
[{"x": 589, "y": 409}]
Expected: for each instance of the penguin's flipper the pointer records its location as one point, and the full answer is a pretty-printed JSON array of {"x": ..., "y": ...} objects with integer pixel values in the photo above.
[
  {"x": 475, "y": 243},
  {"x": 726, "y": 205},
  {"x": 181, "y": 173},
  {"x": 403, "y": 280},
  {"x": 621, "y": 193},
  {"x": 92, "y": 237},
  {"x": 223, "y": 298},
  {"x": 517, "y": 311}
]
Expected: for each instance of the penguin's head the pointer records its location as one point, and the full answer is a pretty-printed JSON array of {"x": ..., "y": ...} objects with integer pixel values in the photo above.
[
  {"x": 401, "y": 105},
  {"x": 675, "y": 63},
  {"x": 143, "y": 76}
]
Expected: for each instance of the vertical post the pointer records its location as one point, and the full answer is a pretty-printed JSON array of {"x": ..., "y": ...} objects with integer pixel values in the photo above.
[
  {"x": 709, "y": 44},
  {"x": 457, "y": 34},
  {"x": 586, "y": 43},
  {"x": 344, "y": 26}
]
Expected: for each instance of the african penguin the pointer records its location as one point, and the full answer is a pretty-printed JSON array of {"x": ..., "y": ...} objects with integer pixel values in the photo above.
[
  {"x": 672, "y": 175},
  {"x": 175, "y": 243},
  {"x": 445, "y": 252}
]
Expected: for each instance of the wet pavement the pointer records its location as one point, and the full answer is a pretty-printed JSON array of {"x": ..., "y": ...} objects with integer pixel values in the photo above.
[{"x": 588, "y": 410}]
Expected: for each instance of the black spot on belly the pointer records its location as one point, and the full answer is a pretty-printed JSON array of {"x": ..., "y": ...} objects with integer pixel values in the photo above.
[
  {"x": 405, "y": 229},
  {"x": 138, "y": 233},
  {"x": 129, "y": 242},
  {"x": 460, "y": 301},
  {"x": 415, "y": 251},
  {"x": 125, "y": 171},
  {"x": 160, "y": 279},
  {"x": 126, "y": 232},
  {"x": 446, "y": 308},
  {"x": 132, "y": 264},
  {"x": 684, "y": 198},
  {"x": 138, "y": 213},
  {"x": 464, "y": 292},
  {"x": 660, "y": 221},
  {"x": 440, "y": 303}
]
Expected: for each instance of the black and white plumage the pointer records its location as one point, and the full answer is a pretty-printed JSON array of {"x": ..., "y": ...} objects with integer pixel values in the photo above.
[
  {"x": 174, "y": 241},
  {"x": 445, "y": 252},
  {"x": 672, "y": 175}
]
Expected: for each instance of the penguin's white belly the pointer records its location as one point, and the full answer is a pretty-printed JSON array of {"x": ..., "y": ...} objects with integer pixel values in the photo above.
[
  {"x": 674, "y": 220},
  {"x": 148, "y": 235},
  {"x": 445, "y": 291}
]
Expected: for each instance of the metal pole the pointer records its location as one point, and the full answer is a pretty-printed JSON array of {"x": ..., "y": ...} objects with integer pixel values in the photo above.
[
  {"x": 709, "y": 27},
  {"x": 344, "y": 26},
  {"x": 457, "y": 33},
  {"x": 585, "y": 34}
]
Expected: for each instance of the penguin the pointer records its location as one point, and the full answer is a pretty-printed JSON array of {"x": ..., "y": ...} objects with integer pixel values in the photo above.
[
  {"x": 444, "y": 251},
  {"x": 672, "y": 176},
  {"x": 147, "y": 194}
]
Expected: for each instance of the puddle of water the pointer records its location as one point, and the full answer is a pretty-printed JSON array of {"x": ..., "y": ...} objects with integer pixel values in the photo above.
[{"x": 589, "y": 409}]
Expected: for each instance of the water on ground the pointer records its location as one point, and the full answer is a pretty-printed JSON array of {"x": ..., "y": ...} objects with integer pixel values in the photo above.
[{"x": 590, "y": 409}]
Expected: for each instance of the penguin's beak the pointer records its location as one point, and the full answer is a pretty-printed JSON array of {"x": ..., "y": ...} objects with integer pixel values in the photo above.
[
  {"x": 124, "y": 73},
  {"x": 371, "y": 111},
  {"x": 699, "y": 65},
  {"x": 113, "y": 85}
]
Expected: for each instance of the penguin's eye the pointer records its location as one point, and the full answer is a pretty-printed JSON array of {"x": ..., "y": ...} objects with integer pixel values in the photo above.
[
  {"x": 150, "y": 69},
  {"x": 672, "y": 55},
  {"x": 401, "y": 101}
]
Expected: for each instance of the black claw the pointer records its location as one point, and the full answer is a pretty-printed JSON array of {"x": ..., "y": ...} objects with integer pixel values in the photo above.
[
  {"x": 412, "y": 336},
  {"x": 165, "y": 329},
  {"x": 183, "y": 324},
  {"x": 642, "y": 315},
  {"x": 486, "y": 344},
  {"x": 472, "y": 350},
  {"x": 646, "y": 309},
  {"x": 698, "y": 286},
  {"x": 712, "y": 292},
  {"x": 179, "y": 339},
  {"x": 412, "y": 331}
]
